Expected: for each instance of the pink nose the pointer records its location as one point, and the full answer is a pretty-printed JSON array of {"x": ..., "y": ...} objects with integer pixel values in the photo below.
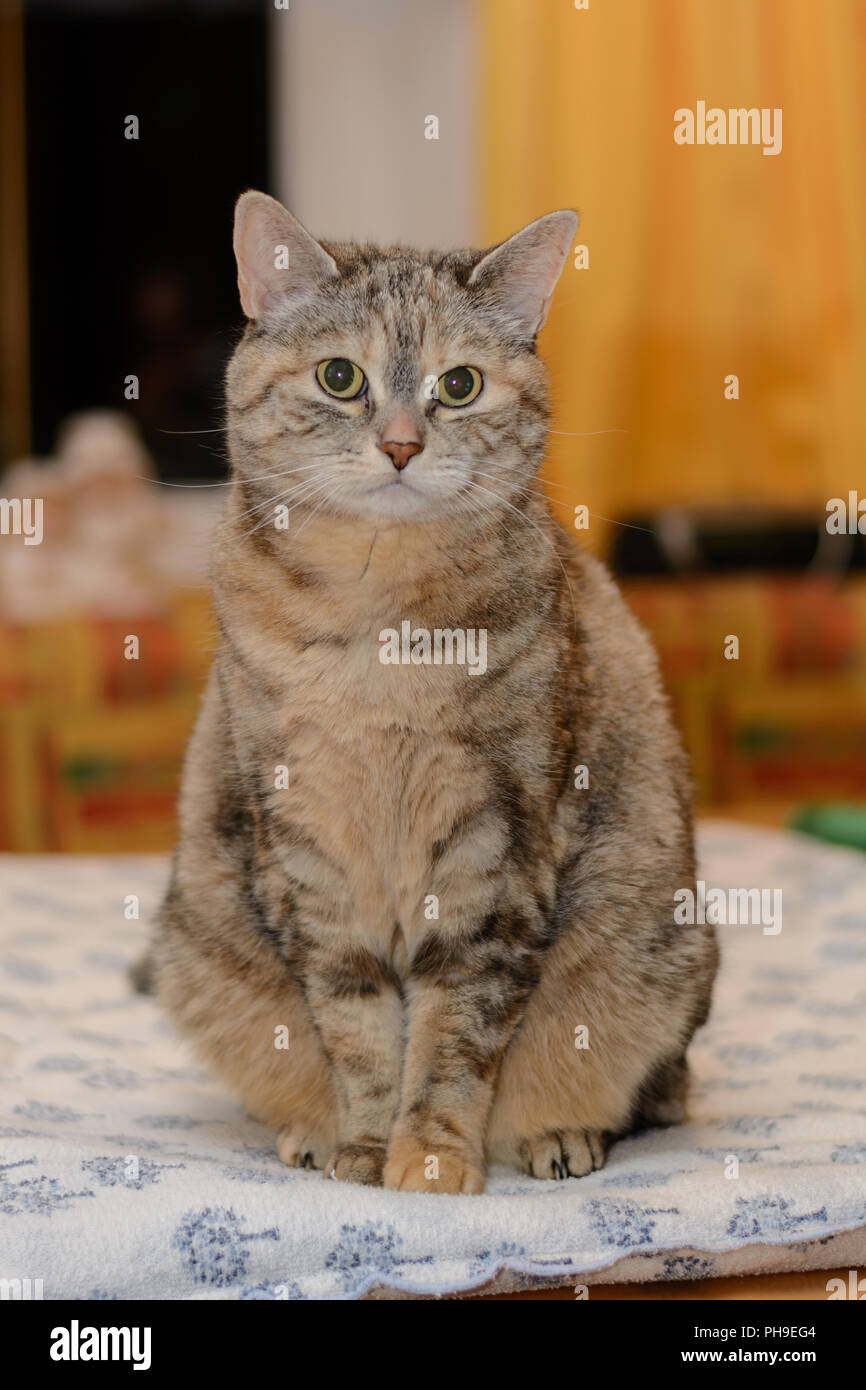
[{"x": 400, "y": 452}]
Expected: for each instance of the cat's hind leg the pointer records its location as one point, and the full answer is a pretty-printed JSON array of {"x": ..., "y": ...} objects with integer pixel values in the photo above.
[
  {"x": 568, "y": 1153},
  {"x": 558, "y": 1105},
  {"x": 663, "y": 1094},
  {"x": 249, "y": 1022},
  {"x": 573, "y": 1153}
]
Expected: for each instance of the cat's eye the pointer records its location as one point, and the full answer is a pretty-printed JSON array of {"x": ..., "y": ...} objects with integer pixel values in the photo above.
[
  {"x": 341, "y": 378},
  {"x": 459, "y": 386}
]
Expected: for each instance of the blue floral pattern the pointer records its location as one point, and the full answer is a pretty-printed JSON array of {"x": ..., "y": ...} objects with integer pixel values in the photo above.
[{"x": 212, "y": 1245}]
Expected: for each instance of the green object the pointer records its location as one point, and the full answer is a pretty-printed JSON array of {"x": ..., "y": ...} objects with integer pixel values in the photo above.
[{"x": 840, "y": 824}]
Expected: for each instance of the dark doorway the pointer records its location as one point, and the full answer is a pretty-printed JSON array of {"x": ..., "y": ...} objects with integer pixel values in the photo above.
[{"x": 131, "y": 270}]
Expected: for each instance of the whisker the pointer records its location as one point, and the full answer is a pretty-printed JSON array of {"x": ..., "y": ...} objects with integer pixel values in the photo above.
[
  {"x": 309, "y": 487},
  {"x": 587, "y": 434},
  {"x": 548, "y": 482},
  {"x": 230, "y": 482},
  {"x": 318, "y": 508},
  {"x": 630, "y": 525},
  {"x": 308, "y": 468}
]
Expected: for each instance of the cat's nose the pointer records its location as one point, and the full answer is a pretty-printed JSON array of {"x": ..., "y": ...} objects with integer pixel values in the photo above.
[{"x": 401, "y": 451}]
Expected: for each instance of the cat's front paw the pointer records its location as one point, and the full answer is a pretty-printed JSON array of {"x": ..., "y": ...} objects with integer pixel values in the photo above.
[
  {"x": 361, "y": 1163},
  {"x": 300, "y": 1147},
  {"x": 414, "y": 1167},
  {"x": 563, "y": 1153}
]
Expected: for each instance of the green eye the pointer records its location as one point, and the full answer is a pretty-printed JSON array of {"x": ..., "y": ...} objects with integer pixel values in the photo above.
[
  {"x": 459, "y": 386},
  {"x": 340, "y": 378}
]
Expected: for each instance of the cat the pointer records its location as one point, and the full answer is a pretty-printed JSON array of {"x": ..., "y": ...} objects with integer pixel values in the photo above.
[{"x": 421, "y": 914}]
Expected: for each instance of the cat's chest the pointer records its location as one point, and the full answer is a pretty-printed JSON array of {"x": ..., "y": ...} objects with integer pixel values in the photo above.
[
  {"x": 398, "y": 786},
  {"x": 376, "y": 802},
  {"x": 399, "y": 674}
]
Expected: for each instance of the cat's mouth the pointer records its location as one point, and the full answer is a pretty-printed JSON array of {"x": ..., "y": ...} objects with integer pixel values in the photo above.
[
  {"x": 398, "y": 481},
  {"x": 398, "y": 499}
]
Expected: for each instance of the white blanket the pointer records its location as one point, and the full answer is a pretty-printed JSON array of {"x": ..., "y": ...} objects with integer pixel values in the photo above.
[{"x": 125, "y": 1172}]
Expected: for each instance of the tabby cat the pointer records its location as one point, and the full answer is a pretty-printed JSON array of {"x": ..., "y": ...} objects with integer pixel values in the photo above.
[{"x": 445, "y": 882}]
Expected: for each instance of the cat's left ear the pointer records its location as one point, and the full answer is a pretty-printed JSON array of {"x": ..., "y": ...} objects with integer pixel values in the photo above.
[{"x": 521, "y": 273}]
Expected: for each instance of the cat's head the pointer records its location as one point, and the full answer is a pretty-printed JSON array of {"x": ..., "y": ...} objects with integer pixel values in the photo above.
[{"x": 388, "y": 385}]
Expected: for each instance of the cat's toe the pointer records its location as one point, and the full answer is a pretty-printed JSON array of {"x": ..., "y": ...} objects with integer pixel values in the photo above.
[
  {"x": 414, "y": 1167},
  {"x": 300, "y": 1148},
  {"x": 361, "y": 1163},
  {"x": 563, "y": 1153}
]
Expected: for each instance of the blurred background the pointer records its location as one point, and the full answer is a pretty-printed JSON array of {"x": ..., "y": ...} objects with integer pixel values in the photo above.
[{"x": 707, "y": 347}]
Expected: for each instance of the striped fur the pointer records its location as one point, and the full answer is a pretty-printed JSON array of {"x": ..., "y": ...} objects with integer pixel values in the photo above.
[{"x": 422, "y": 1046}]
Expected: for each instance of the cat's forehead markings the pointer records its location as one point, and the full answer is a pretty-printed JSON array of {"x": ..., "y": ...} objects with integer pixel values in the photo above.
[
  {"x": 389, "y": 351},
  {"x": 393, "y": 313},
  {"x": 397, "y": 307},
  {"x": 405, "y": 351},
  {"x": 404, "y": 379}
]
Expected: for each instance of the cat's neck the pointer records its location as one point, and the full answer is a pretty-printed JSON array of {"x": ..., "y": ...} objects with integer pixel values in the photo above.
[
  {"x": 334, "y": 584},
  {"x": 368, "y": 562}
]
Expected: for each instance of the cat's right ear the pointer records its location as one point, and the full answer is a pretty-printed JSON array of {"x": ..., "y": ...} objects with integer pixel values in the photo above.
[{"x": 277, "y": 258}]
